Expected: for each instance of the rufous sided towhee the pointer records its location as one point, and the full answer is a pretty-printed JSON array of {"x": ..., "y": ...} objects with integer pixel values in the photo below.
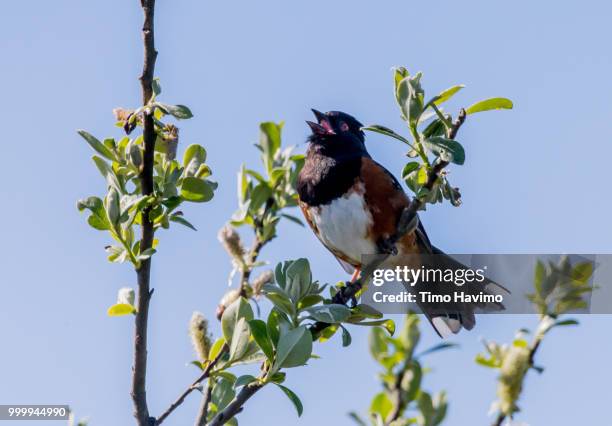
[{"x": 353, "y": 205}]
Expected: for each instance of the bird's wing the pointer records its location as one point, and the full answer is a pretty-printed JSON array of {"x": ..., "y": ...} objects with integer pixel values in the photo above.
[{"x": 385, "y": 199}]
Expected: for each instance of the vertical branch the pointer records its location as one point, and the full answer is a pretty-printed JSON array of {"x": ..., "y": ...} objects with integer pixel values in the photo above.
[
  {"x": 203, "y": 413},
  {"x": 397, "y": 395},
  {"x": 139, "y": 394}
]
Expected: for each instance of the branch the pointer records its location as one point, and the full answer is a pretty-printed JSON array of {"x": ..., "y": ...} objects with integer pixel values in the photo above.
[
  {"x": 251, "y": 258},
  {"x": 236, "y": 405},
  {"x": 407, "y": 223},
  {"x": 194, "y": 386},
  {"x": 244, "y": 279},
  {"x": 139, "y": 394},
  {"x": 203, "y": 414},
  {"x": 398, "y": 403}
]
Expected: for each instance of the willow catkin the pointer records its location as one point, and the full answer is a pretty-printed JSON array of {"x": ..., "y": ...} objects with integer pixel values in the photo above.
[
  {"x": 266, "y": 277},
  {"x": 200, "y": 338},
  {"x": 230, "y": 240},
  {"x": 512, "y": 372}
]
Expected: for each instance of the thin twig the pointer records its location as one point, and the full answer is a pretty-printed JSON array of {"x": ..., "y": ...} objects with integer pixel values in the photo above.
[
  {"x": 397, "y": 395},
  {"x": 244, "y": 280},
  {"x": 407, "y": 223},
  {"x": 203, "y": 413},
  {"x": 236, "y": 405},
  {"x": 139, "y": 394},
  {"x": 250, "y": 260},
  {"x": 194, "y": 386}
]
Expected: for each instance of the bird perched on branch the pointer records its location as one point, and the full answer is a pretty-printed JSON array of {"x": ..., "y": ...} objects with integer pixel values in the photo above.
[{"x": 353, "y": 205}]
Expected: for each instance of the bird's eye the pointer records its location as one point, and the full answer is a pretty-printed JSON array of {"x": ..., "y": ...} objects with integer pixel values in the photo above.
[{"x": 344, "y": 127}]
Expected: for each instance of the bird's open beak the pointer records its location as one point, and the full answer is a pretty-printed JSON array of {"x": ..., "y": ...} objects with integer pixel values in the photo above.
[{"x": 323, "y": 126}]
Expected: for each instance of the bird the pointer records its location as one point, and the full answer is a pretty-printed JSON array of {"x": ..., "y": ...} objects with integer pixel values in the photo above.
[{"x": 353, "y": 205}]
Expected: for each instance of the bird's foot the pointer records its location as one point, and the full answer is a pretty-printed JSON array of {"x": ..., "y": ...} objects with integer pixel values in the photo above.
[{"x": 387, "y": 246}]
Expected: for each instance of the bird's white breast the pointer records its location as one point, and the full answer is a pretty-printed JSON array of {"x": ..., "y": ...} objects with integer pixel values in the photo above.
[{"x": 343, "y": 225}]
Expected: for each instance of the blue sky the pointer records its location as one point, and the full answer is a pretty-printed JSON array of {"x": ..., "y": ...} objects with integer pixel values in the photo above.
[{"x": 535, "y": 180}]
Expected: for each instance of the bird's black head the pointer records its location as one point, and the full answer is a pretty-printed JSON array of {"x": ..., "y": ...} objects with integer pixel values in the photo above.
[{"x": 336, "y": 130}]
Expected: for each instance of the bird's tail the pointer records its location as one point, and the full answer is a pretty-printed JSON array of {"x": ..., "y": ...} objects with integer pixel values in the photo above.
[{"x": 450, "y": 317}]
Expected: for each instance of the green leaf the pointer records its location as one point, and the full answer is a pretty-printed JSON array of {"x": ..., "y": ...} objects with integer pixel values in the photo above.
[
  {"x": 121, "y": 309},
  {"x": 196, "y": 190},
  {"x": 107, "y": 172},
  {"x": 222, "y": 393},
  {"x": 378, "y": 343},
  {"x": 426, "y": 408},
  {"x": 293, "y": 219},
  {"x": 278, "y": 323},
  {"x": 388, "y": 325},
  {"x": 490, "y": 362},
  {"x": 240, "y": 340},
  {"x": 387, "y": 132},
  {"x": 346, "y": 337},
  {"x": 270, "y": 142},
  {"x": 399, "y": 73},
  {"x": 260, "y": 335},
  {"x": 293, "y": 398},
  {"x": 98, "y": 146},
  {"x": 332, "y": 313},
  {"x": 156, "y": 86},
  {"x": 147, "y": 254},
  {"x": 194, "y": 151},
  {"x": 582, "y": 272},
  {"x": 298, "y": 279},
  {"x": 539, "y": 275},
  {"x": 111, "y": 205},
  {"x": 240, "y": 308},
  {"x": 278, "y": 377},
  {"x": 447, "y": 149},
  {"x": 411, "y": 382},
  {"x": 565, "y": 322},
  {"x": 381, "y": 404},
  {"x": 445, "y": 95},
  {"x": 182, "y": 221},
  {"x": 490, "y": 104},
  {"x": 435, "y": 128},
  {"x": 259, "y": 195},
  {"x": 422, "y": 176},
  {"x": 355, "y": 417},
  {"x": 439, "y": 347},
  {"x": 441, "y": 406},
  {"x": 97, "y": 219},
  {"x": 294, "y": 349},
  {"x": 308, "y": 301},
  {"x": 198, "y": 364},
  {"x": 409, "y": 168},
  {"x": 178, "y": 111},
  {"x": 281, "y": 301},
  {"x": 244, "y": 380},
  {"x": 216, "y": 348},
  {"x": 410, "y": 98}
]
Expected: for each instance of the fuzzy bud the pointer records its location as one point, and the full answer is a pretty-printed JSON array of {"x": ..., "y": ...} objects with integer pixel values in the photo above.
[
  {"x": 126, "y": 296},
  {"x": 200, "y": 338},
  {"x": 170, "y": 140},
  {"x": 232, "y": 244},
  {"x": 227, "y": 300},
  {"x": 512, "y": 372},
  {"x": 266, "y": 277}
]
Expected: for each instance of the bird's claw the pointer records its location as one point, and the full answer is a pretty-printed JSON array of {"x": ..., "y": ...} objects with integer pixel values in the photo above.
[{"x": 387, "y": 246}]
